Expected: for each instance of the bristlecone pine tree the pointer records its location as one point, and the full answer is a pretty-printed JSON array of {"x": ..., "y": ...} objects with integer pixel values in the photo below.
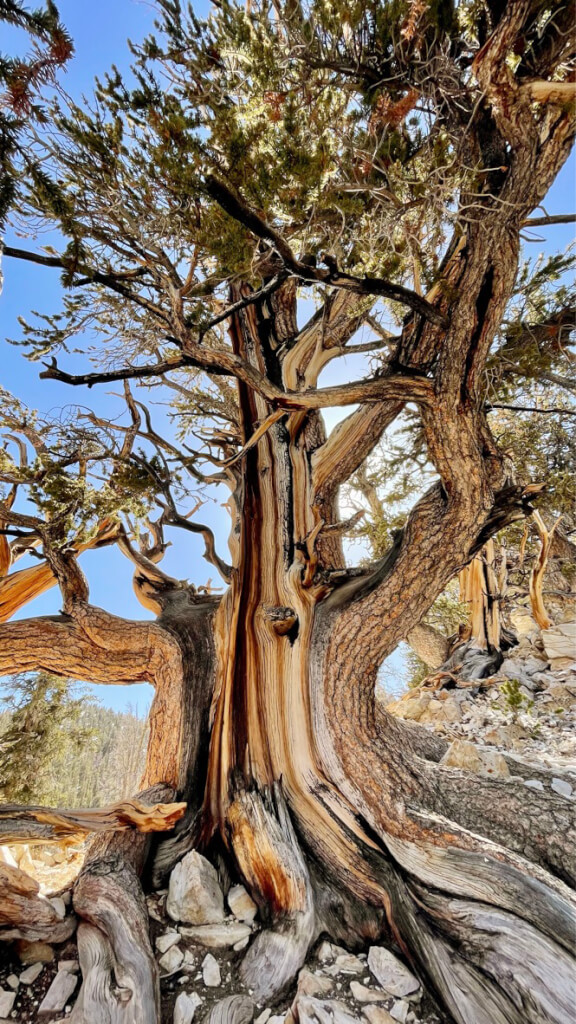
[{"x": 381, "y": 159}]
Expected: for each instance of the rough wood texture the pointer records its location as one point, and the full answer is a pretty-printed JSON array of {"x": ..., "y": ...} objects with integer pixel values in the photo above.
[
  {"x": 25, "y": 914},
  {"x": 22, "y": 824},
  {"x": 120, "y": 981}
]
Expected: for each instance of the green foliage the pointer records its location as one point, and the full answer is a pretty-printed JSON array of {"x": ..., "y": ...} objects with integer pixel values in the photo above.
[
  {"x": 59, "y": 747},
  {"x": 45, "y": 727},
  {"x": 21, "y": 78},
  {"x": 514, "y": 700}
]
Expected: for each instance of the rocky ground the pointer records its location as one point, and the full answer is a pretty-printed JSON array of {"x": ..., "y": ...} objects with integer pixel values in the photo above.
[{"x": 527, "y": 709}]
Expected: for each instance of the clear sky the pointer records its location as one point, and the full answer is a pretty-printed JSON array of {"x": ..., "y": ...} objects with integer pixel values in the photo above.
[{"x": 100, "y": 32}]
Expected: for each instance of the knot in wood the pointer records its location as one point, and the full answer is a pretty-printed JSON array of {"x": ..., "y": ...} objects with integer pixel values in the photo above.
[{"x": 282, "y": 619}]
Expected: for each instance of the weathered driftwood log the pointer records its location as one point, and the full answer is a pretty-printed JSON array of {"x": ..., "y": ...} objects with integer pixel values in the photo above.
[
  {"x": 120, "y": 981},
  {"x": 25, "y": 914},
  {"x": 22, "y": 824}
]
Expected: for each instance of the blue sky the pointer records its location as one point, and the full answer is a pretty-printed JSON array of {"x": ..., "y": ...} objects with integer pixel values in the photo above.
[{"x": 100, "y": 32}]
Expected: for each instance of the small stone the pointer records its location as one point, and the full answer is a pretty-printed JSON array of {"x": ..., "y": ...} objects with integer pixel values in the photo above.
[
  {"x": 310, "y": 984},
  {"x": 327, "y": 951},
  {"x": 561, "y": 787},
  {"x": 241, "y": 904},
  {"x": 366, "y": 995},
  {"x": 346, "y": 963},
  {"x": 278, "y": 1018},
  {"x": 534, "y": 784},
  {"x": 59, "y": 905},
  {"x": 171, "y": 960},
  {"x": 211, "y": 971},
  {"x": 12, "y": 981},
  {"x": 194, "y": 893},
  {"x": 69, "y": 965},
  {"x": 166, "y": 941},
  {"x": 390, "y": 972},
  {"x": 31, "y": 973},
  {"x": 189, "y": 958},
  {"x": 377, "y": 1015},
  {"x": 32, "y": 952},
  {"x": 240, "y": 945},
  {"x": 185, "y": 1007},
  {"x": 218, "y": 936},
  {"x": 263, "y": 1017},
  {"x": 400, "y": 1010},
  {"x": 7, "y": 1000},
  {"x": 309, "y": 1010},
  {"x": 58, "y": 994}
]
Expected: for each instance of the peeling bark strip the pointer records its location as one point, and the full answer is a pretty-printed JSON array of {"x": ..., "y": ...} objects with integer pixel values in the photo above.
[{"x": 22, "y": 824}]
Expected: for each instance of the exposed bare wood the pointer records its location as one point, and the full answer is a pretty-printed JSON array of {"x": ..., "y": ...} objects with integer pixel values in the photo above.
[
  {"x": 25, "y": 914},
  {"x": 545, "y": 537},
  {"x": 25, "y": 824},
  {"x": 120, "y": 981}
]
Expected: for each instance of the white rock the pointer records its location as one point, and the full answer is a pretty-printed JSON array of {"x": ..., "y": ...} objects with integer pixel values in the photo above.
[
  {"x": 185, "y": 1007},
  {"x": 377, "y": 1015},
  {"x": 390, "y": 972},
  {"x": 166, "y": 941},
  {"x": 211, "y": 971},
  {"x": 31, "y": 973},
  {"x": 69, "y": 965},
  {"x": 400, "y": 1011},
  {"x": 241, "y": 904},
  {"x": 263, "y": 1017},
  {"x": 560, "y": 641},
  {"x": 534, "y": 784},
  {"x": 59, "y": 905},
  {"x": 6, "y": 1002},
  {"x": 194, "y": 894},
  {"x": 240, "y": 945},
  {"x": 278, "y": 1018},
  {"x": 13, "y": 981},
  {"x": 346, "y": 963},
  {"x": 310, "y": 984},
  {"x": 366, "y": 995},
  {"x": 218, "y": 936},
  {"x": 58, "y": 994},
  {"x": 562, "y": 787},
  {"x": 308, "y": 1010},
  {"x": 171, "y": 960}
]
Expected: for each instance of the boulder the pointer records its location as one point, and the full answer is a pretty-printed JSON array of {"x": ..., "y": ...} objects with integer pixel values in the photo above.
[
  {"x": 211, "y": 971},
  {"x": 241, "y": 904},
  {"x": 166, "y": 941},
  {"x": 28, "y": 977},
  {"x": 310, "y": 984},
  {"x": 58, "y": 994},
  {"x": 32, "y": 952},
  {"x": 7, "y": 1000},
  {"x": 469, "y": 757},
  {"x": 377, "y": 1015},
  {"x": 391, "y": 973},
  {"x": 362, "y": 994},
  {"x": 218, "y": 936},
  {"x": 560, "y": 644},
  {"x": 171, "y": 960},
  {"x": 194, "y": 893},
  {"x": 185, "y": 1007}
]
